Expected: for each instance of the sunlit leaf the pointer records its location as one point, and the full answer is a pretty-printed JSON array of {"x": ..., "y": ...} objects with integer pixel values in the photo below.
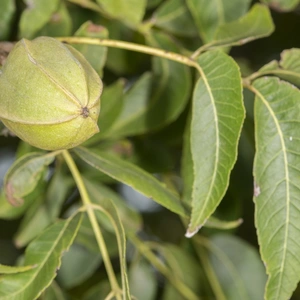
[
  {"x": 209, "y": 15},
  {"x": 282, "y": 5},
  {"x": 133, "y": 176},
  {"x": 276, "y": 188},
  {"x": 45, "y": 252},
  {"x": 23, "y": 176},
  {"x": 257, "y": 23},
  {"x": 217, "y": 118}
]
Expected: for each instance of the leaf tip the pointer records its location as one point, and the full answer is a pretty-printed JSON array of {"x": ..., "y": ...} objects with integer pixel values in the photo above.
[{"x": 192, "y": 231}]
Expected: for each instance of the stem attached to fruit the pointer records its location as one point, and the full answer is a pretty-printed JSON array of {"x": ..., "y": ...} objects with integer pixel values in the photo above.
[{"x": 92, "y": 217}]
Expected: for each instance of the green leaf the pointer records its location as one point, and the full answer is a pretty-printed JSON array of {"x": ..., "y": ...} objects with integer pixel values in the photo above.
[
  {"x": 23, "y": 176},
  {"x": 44, "y": 210},
  {"x": 133, "y": 176},
  {"x": 107, "y": 210},
  {"x": 209, "y": 15},
  {"x": 171, "y": 84},
  {"x": 60, "y": 23},
  {"x": 174, "y": 17},
  {"x": 288, "y": 68},
  {"x": 38, "y": 10},
  {"x": 142, "y": 111},
  {"x": 131, "y": 220},
  {"x": 282, "y": 5},
  {"x": 257, "y": 23},
  {"x": 129, "y": 11},
  {"x": 53, "y": 292},
  {"x": 112, "y": 101},
  {"x": 143, "y": 284},
  {"x": 14, "y": 270},
  {"x": 7, "y": 11},
  {"x": 78, "y": 264},
  {"x": 45, "y": 252},
  {"x": 236, "y": 266},
  {"x": 98, "y": 291},
  {"x": 184, "y": 266},
  {"x": 96, "y": 55},
  {"x": 132, "y": 119},
  {"x": 276, "y": 188},
  {"x": 217, "y": 118}
]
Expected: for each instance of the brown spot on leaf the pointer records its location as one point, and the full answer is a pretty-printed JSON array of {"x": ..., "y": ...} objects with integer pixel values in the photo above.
[
  {"x": 9, "y": 192},
  {"x": 94, "y": 28}
]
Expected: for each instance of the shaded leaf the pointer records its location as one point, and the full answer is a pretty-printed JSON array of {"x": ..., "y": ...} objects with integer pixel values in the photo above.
[
  {"x": 23, "y": 176},
  {"x": 98, "y": 291},
  {"x": 78, "y": 264},
  {"x": 217, "y": 118},
  {"x": 236, "y": 265},
  {"x": 209, "y": 15},
  {"x": 96, "y": 55},
  {"x": 53, "y": 292},
  {"x": 44, "y": 210},
  {"x": 173, "y": 16},
  {"x": 143, "y": 284},
  {"x": 129, "y": 11},
  {"x": 38, "y": 10},
  {"x": 13, "y": 270},
  {"x": 170, "y": 83},
  {"x": 131, "y": 219},
  {"x": 112, "y": 101},
  {"x": 60, "y": 23},
  {"x": 257, "y": 23},
  {"x": 45, "y": 252},
  {"x": 135, "y": 107},
  {"x": 133, "y": 176},
  {"x": 276, "y": 188},
  {"x": 282, "y": 5},
  {"x": 7, "y": 11},
  {"x": 185, "y": 267},
  {"x": 108, "y": 209}
]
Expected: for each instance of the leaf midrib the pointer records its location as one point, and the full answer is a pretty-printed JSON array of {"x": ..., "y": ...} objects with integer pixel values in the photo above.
[{"x": 287, "y": 179}]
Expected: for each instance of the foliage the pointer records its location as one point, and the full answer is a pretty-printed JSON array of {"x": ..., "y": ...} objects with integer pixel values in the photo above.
[{"x": 178, "y": 129}]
